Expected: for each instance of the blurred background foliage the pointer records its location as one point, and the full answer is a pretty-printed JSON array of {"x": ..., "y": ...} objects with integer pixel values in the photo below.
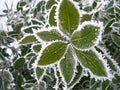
[{"x": 16, "y": 61}]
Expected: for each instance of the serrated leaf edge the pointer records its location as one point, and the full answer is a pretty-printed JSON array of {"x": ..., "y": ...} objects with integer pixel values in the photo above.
[
  {"x": 69, "y": 46},
  {"x": 33, "y": 46},
  {"x": 63, "y": 79},
  {"x": 100, "y": 6},
  {"x": 37, "y": 21},
  {"x": 31, "y": 26},
  {"x": 106, "y": 66},
  {"x": 57, "y": 14},
  {"x": 50, "y": 12},
  {"x": 99, "y": 37},
  {"x": 48, "y": 30},
  {"x": 107, "y": 54},
  {"x": 112, "y": 37},
  {"x": 34, "y": 74},
  {"x": 76, "y": 63},
  {"x": 56, "y": 87},
  {"x": 82, "y": 74},
  {"x": 19, "y": 41},
  {"x": 40, "y": 54}
]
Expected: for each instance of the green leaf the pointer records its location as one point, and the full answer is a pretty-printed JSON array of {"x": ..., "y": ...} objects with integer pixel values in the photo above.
[
  {"x": 95, "y": 84},
  {"x": 42, "y": 86},
  {"x": 52, "y": 53},
  {"x": 52, "y": 21},
  {"x": 24, "y": 49},
  {"x": 116, "y": 24},
  {"x": 86, "y": 37},
  {"x": 40, "y": 5},
  {"x": 28, "y": 86},
  {"x": 103, "y": 85},
  {"x": 51, "y": 35},
  {"x": 67, "y": 66},
  {"x": 18, "y": 81},
  {"x": 50, "y": 3},
  {"x": 28, "y": 30},
  {"x": 19, "y": 7},
  {"x": 36, "y": 22},
  {"x": 111, "y": 62},
  {"x": 28, "y": 39},
  {"x": 111, "y": 4},
  {"x": 86, "y": 17},
  {"x": 111, "y": 10},
  {"x": 31, "y": 61},
  {"x": 68, "y": 17},
  {"x": 36, "y": 48},
  {"x": 5, "y": 11},
  {"x": 22, "y": 3},
  {"x": 111, "y": 65},
  {"x": 116, "y": 39},
  {"x": 38, "y": 72},
  {"x": 116, "y": 79},
  {"x": 30, "y": 55},
  {"x": 19, "y": 63},
  {"x": 107, "y": 27},
  {"x": 77, "y": 76},
  {"x": 94, "y": 4},
  {"x": 88, "y": 9},
  {"x": 7, "y": 75},
  {"x": 91, "y": 61},
  {"x": 106, "y": 85},
  {"x": 18, "y": 27}
]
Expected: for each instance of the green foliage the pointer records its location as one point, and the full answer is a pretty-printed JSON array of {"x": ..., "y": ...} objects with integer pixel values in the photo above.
[
  {"x": 91, "y": 61},
  {"x": 38, "y": 72},
  {"x": 47, "y": 56},
  {"x": 36, "y": 48},
  {"x": 52, "y": 21},
  {"x": 51, "y": 35},
  {"x": 86, "y": 37},
  {"x": 86, "y": 17},
  {"x": 67, "y": 66},
  {"x": 61, "y": 45},
  {"x": 28, "y": 39},
  {"x": 19, "y": 63},
  {"x": 116, "y": 39},
  {"x": 69, "y": 21}
]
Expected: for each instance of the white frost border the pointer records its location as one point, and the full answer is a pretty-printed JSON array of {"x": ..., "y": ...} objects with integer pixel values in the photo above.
[
  {"x": 33, "y": 46},
  {"x": 49, "y": 29},
  {"x": 34, "y": 74},
  {"x": 57, "y": 15},
  {"x": 106, "y": 54},
  {"x": 99, "y": 37},
  {"x": 44, "y": 46},
  {"x": 106, "y": 66},
  {"x": 25, "y": 37},
  {"x": 75, "y": 64}
]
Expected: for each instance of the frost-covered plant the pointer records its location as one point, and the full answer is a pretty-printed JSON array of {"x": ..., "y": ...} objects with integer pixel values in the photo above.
[{"x": 62, "y": 45}]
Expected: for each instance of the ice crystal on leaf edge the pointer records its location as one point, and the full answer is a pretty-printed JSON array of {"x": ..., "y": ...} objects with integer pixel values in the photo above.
[{"x": 98, "y": 39}]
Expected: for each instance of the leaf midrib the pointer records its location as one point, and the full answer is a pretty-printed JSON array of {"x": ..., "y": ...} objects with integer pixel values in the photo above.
[
  {"x": 48, "y": 56},
  {"x": 77, "y": 39},
  {"x": 89, "y": 58},
  {"x": 68, "y": 18}
]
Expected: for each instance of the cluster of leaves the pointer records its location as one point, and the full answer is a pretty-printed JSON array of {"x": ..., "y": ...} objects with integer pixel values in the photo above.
[{"x": 60, "y": 45}]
